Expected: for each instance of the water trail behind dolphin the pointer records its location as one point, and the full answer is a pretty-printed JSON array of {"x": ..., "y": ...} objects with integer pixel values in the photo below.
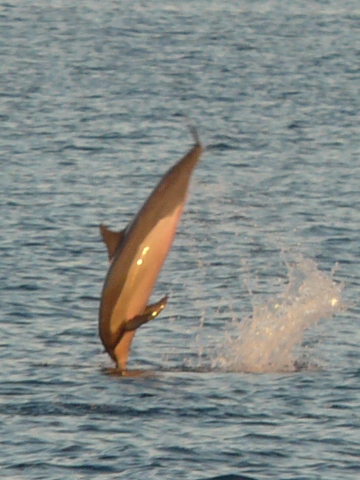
[{"x": 271, "y": 338}]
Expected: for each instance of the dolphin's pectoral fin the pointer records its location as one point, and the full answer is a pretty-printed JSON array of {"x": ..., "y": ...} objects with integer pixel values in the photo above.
[
  {"x": 111, "y": 239},
  {"x": 150, "y": 312},
  {"x": 154, "y": 309},
  {"x": 122, "y": 348}
]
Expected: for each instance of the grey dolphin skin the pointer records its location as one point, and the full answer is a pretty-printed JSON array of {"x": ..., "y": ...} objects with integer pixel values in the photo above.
[{"x": 136, "y": 257}]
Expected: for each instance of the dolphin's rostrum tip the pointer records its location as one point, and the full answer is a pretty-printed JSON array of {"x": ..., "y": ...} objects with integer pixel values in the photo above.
[{"x": 195, "y": 135}]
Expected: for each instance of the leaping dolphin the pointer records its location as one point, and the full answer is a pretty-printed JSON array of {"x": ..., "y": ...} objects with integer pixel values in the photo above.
[{"x": 136, "y": 256}]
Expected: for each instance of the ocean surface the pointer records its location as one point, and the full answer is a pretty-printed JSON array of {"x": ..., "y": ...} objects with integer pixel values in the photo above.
[{"x": 253, "y": 368}]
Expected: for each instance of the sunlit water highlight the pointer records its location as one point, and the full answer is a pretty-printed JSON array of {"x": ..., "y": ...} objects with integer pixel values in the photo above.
[{"x": 271, "y": 338}]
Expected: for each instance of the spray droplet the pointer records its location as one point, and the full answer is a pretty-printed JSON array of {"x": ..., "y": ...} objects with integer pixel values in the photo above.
[{"x": 269, "y": 339}]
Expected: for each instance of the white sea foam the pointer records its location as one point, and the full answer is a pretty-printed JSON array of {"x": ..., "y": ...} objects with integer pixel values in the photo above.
[{"x": 271, "y": 338}]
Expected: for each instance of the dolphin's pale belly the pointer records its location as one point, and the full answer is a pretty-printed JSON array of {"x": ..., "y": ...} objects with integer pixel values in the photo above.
[{"x": 144, "y": 270}]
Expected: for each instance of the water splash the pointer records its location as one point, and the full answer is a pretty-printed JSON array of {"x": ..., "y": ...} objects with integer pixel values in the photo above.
[{"x": 269, "y": 340}]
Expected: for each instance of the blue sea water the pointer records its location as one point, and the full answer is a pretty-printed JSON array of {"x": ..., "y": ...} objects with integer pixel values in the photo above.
[{"x": 253, "y": 369}]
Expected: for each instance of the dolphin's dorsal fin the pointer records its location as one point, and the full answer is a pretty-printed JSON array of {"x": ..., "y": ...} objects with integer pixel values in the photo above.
[{"x": 111, "y": 239}]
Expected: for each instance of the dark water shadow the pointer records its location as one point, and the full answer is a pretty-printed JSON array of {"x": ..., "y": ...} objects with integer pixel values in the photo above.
[
  {"x": 230, "y": 477},
  {"x": 159, "y": 372},
  {"x": 137, "y": 373}
]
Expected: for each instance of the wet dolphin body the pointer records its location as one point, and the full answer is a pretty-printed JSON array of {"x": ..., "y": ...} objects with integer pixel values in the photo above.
[{"x": 137, "y": 254}]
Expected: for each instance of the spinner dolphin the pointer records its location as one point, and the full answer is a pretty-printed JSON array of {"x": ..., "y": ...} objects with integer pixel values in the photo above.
[{"x": 136, "y": 257}]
